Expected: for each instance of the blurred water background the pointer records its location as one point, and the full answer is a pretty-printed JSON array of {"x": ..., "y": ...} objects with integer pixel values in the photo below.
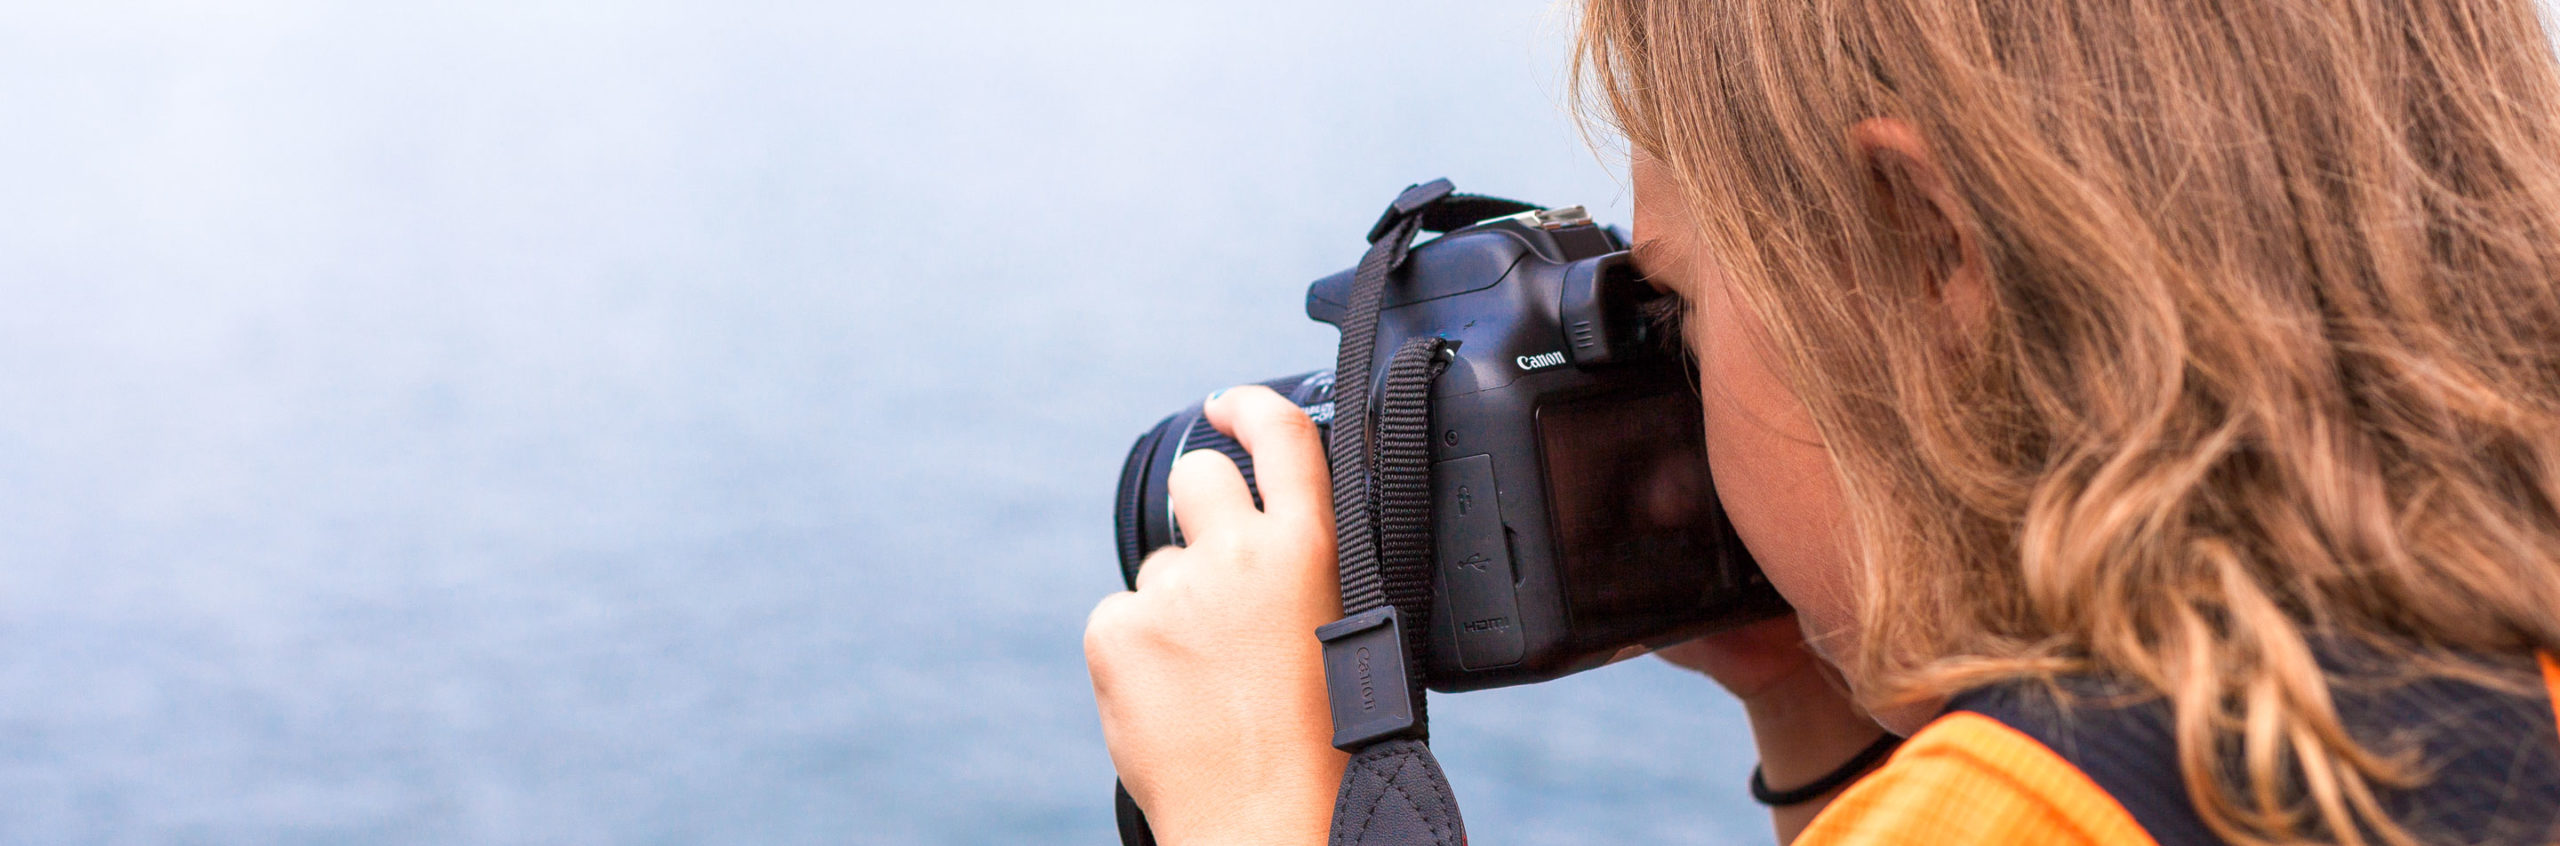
[{"x": 518, "y": 421}]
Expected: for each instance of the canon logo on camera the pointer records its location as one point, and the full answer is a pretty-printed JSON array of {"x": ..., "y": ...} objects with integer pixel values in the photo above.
[{"x": 1541, "y": 360}]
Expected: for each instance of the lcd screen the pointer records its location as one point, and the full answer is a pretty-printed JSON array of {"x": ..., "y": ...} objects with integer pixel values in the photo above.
[{"x": 1635, "y": 516}]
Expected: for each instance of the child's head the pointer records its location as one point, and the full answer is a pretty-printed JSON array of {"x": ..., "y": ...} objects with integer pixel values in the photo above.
[{"x": 2164, "y": 336}]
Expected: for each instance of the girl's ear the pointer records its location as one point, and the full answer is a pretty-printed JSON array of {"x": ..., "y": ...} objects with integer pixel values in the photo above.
[{"x": 1933, "y": 228}]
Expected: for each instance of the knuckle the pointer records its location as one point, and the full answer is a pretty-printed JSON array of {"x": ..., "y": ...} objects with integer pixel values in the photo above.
[
  {"x": 1194, "y": 471},
  {"x": 1117, "y": 629},
  {"x": 1256, "y": 399},
  {"x": 1288, "y": 419},
  {"x": 1104, "y": 620},
  {"x": 1254, "y": 394},
  {"x": 1202, "y": 461},
  {"x": 1100, "y": 634},
  {"x": 1157, "y": 578},
  {"x": 1280, "y": 421},
  {"x": 1303, "y": 536}
]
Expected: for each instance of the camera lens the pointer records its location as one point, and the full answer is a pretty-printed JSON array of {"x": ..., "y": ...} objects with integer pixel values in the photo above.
[{"x": 1143, "y": 512}]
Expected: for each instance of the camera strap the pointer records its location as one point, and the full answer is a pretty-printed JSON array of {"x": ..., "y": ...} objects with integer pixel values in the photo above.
[
  {"x": 1393, "y": 792},
  {"x": 1379, "y": 454}
]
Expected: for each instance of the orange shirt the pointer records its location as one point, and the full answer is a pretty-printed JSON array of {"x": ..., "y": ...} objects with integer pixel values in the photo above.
[{"x": 1967, "y": 778}]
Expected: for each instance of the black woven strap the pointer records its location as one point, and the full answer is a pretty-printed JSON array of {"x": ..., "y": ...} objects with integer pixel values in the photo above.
[
  {"x": 1369, "y": 558},
  {"x": 1354, "y": 457},
  {"x": 1402, "y": 471},
  {"x": 1134, "y": 830},
  {"x": 1347, "y": 451},
  {"x": 1393, "y": 793},
  {"x": 1379, "y": 455}
]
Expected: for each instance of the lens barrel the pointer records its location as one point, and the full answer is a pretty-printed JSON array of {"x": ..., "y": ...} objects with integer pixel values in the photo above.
[{"x": 1144, "y": 510}]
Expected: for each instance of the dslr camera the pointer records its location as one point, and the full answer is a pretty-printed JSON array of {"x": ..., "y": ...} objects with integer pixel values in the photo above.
[{"x": 1572, "y": 517}]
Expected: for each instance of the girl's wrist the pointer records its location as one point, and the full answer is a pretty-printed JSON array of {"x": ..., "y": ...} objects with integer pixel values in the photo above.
[
  {"x": 1805, "y": 726},
  {"x": 1294, "y": 809}
]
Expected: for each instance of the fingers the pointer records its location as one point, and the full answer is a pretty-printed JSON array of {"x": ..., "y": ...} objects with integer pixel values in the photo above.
[
  {"x": 1288, "y": 460},
  {"x": 1208, "y": 493}
]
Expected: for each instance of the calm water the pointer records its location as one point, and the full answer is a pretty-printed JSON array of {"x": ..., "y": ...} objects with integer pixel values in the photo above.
[{"x": 635, "y": 422}]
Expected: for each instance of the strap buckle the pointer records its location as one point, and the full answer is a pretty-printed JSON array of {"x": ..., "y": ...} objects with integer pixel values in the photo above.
[
  {"x": 1410, "y": 203},
  {"x": 1365, "y": 677}
]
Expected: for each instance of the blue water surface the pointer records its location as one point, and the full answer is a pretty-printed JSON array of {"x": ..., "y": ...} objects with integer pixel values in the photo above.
[{"x": 517, "y": 421}]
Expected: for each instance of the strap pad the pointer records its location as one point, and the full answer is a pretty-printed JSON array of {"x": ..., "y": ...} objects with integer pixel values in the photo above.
[{"x": 1393, "y": 794}]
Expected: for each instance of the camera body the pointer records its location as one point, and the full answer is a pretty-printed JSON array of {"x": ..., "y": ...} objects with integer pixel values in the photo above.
[{"x": 1572, "y": 513}]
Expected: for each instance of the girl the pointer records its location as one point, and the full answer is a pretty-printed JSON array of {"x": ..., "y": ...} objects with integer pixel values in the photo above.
[{"x": 2150, "y": 407}]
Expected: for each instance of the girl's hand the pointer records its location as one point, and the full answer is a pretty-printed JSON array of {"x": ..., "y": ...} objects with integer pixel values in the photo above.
[
  {"x": 1209, "y": 676},
  {"x": 1802, "y": 718},
  {"x": 1750, "y": 661}
]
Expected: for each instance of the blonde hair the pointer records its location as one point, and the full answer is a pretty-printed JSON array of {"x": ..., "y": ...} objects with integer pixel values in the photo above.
[{"x": 2271, "y": 355}]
